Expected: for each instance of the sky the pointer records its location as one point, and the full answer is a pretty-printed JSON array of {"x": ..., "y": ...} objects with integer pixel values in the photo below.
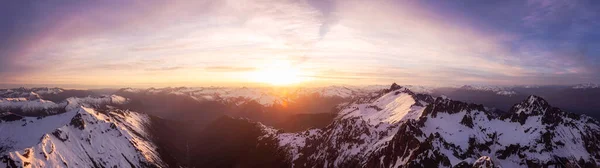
[{"x": 323, "y": 42}]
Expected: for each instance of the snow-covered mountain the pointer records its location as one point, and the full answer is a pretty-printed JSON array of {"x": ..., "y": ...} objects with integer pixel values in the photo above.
[
  {"x": 499, "y": 90},
  {"x": 29, "y": 92},
  {"x": 25, "y": 106},
  {"x": 377, "y": 127},
  {"x": 89, "y": 133},
  {"x": 586, "y": 86},
  {"x": 399, "y": 128},
  {"x": 36, "y": 106}
]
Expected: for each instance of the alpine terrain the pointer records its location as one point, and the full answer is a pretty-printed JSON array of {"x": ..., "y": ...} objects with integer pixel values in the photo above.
[{"x": 368, "y": 127}]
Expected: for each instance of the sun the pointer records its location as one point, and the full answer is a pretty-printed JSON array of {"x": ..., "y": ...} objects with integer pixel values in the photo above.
[{"x": 279, "y": 73}]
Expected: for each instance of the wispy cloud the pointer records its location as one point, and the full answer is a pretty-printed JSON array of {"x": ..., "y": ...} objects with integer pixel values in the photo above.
[
  {"x": 229, "y": 69},
  {"x": 534, "y": 42},
  {"x": 165, "y": 68}
]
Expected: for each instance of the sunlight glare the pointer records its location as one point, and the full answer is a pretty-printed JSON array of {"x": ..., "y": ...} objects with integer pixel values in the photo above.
[{"x": 279, "y": 73}]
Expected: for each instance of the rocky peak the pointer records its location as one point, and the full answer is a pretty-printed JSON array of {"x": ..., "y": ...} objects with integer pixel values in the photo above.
[
  {"x": 533, "y": 105},
  {"x": 450, "y": 106},
  {"x": 537, "y": 106},
  {"x": 395, "y": 87}
]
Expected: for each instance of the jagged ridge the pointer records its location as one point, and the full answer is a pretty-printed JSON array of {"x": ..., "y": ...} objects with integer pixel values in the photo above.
[{"x": 445, "y": 133}]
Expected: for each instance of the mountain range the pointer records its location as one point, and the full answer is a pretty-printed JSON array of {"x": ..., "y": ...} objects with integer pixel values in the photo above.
[{"x": 337, "y": 126}]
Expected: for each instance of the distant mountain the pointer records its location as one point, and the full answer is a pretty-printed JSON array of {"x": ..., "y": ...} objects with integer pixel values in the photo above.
[
  {"x": 504, "y": 91},
  {"x": 339, "y": 126},
  {"x": 586, "y": 86},
  {"x": 272, "y": 106},
  {"x": 51, "y": 94},
  {"x": 578, "y": 99},
  {"x": 263, "y": 96}
]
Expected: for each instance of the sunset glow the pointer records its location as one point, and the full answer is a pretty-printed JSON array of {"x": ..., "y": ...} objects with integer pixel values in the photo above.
[
  {"x": 321, "y": 42},
  {"x": 279, "y": 73}
]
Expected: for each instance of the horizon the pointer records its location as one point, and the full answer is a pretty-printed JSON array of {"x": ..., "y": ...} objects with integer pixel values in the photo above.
[
  {"x": 306, "y": 42},
  {"x": 96, "y": 87}
]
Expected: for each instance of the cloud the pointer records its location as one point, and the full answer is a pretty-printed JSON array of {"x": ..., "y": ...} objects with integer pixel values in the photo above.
[
  {"x": 164, "y": 47},
  {"x": 326, "y": 8},
  {"x": 165, "y": 68},
  {"x": 229, "y": 69},
  {"x": 559, "y": 34},
  {"x": 335, "y": 41}
]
